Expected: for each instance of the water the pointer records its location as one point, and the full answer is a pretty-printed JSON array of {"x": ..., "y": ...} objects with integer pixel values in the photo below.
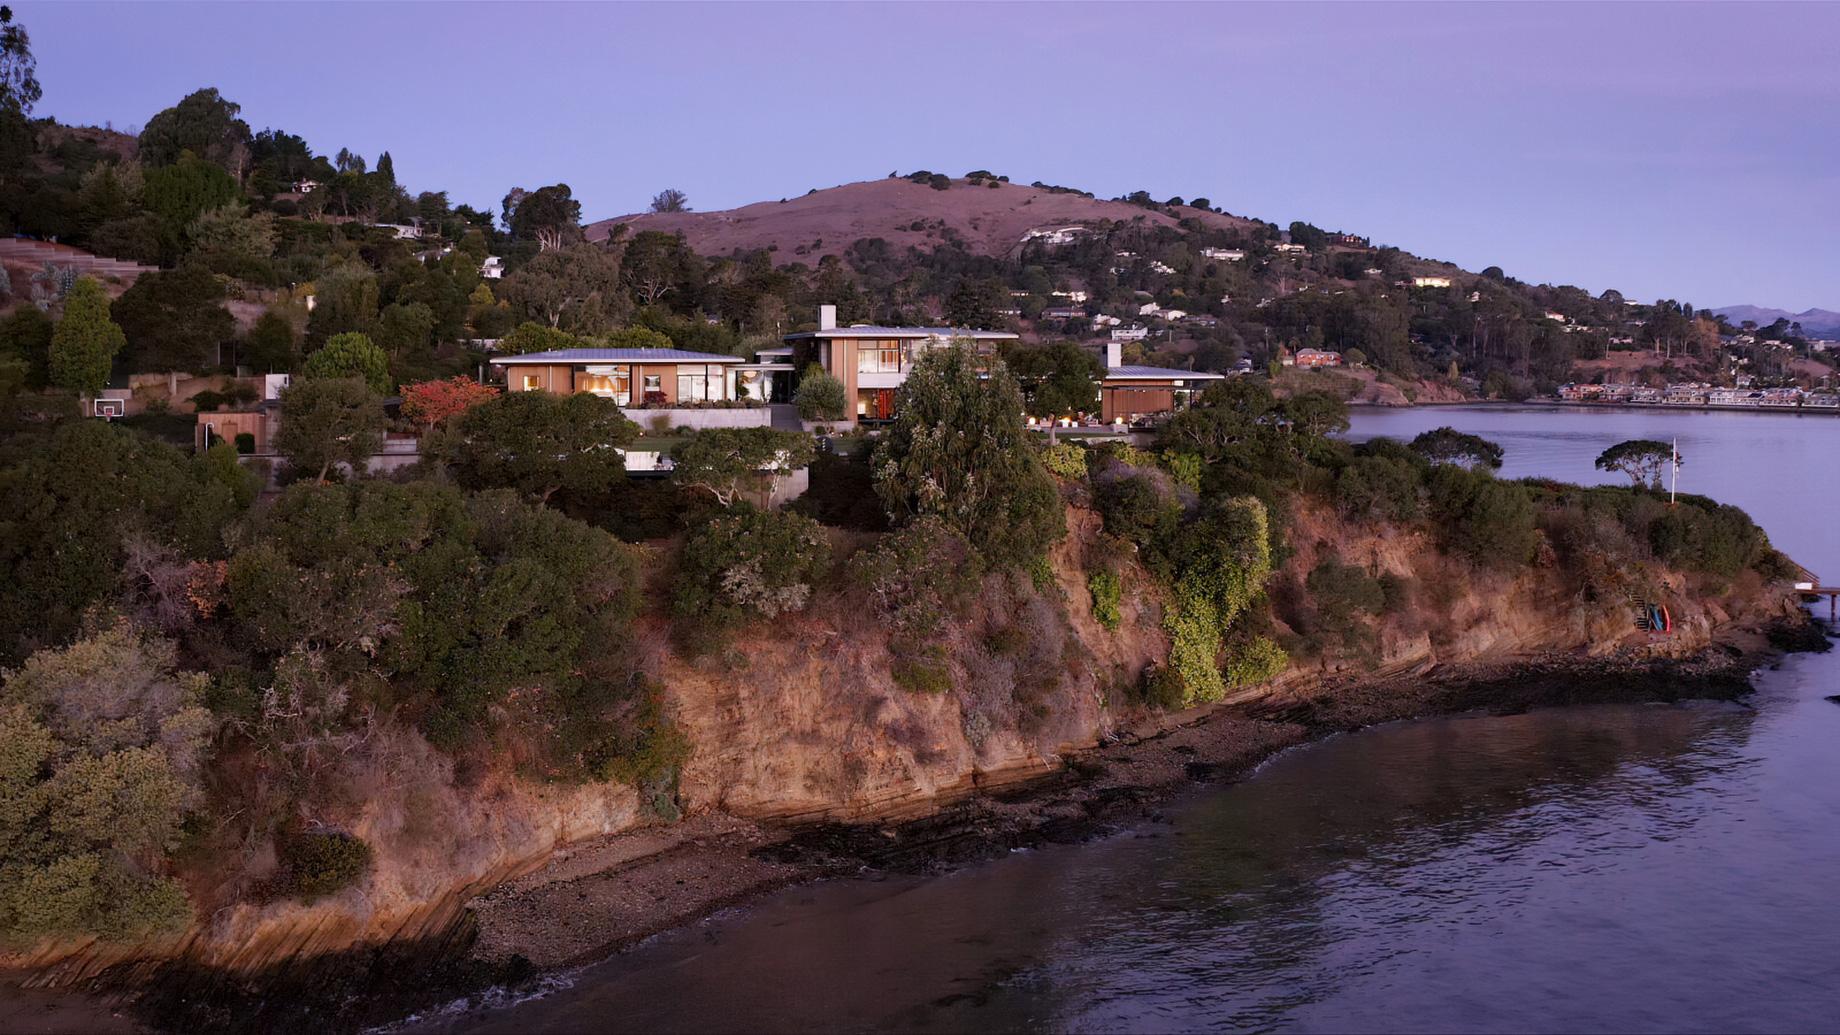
[{"x": 1620, "y": 868}]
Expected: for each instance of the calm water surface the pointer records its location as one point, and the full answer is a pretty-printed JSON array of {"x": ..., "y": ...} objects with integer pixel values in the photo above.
[{"x": 1625, "y": 868}]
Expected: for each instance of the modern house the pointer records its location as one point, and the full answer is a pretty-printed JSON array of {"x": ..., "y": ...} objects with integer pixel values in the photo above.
[
  {"x": 873, "y": 362},
  {"x": 1128, "y": 394},
  {"x": 630, "y": 377},
  {"x": 1430, "y": 282}
]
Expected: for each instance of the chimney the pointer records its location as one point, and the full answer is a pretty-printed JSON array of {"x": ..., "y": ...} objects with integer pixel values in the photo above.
[
  {"x": 827, "y": 317},
  {"x": 1114, "y": 355}
]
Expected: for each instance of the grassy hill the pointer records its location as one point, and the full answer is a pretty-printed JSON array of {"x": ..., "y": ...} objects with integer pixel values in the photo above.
[{"x": 985, "y": 217}]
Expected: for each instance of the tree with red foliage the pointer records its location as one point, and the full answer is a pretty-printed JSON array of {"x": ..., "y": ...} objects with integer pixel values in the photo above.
[{"x": 433, "y": 402}]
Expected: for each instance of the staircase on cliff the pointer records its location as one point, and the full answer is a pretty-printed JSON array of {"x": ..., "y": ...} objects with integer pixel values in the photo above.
[{"x": 23, "y": 249}]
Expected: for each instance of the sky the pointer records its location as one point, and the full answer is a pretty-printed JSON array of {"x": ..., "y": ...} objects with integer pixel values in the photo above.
[{"x": 1687, "y": 151}]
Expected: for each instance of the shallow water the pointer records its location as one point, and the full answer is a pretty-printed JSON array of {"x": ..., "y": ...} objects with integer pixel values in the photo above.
[{"x": 1616, "y": 868}]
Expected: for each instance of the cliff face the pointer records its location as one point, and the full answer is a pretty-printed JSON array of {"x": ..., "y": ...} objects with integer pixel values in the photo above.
[{"x": 803, "y": 720}]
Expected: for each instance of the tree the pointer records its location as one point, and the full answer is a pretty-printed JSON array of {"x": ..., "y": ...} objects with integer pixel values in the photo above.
[
  {"x": 18, "y": 79},
  {"x": 26, "y": 333},
  {"x": 1447, "y": 445},
  {"x": 1056, "y": 379},
  {"x": 174, "y": 320},
  {"x": 327, "y": 421},
  {"x": 561, "y": 282},
  {"x": 958, "y": 449},
  {"x": 535, "y": 337},
  {"x": 70, "y": 497},
  {"x": 436, "y": 402},
  {"x": 100, "y": 750},
  {"x": 821, "y": 396},
  {"x": 405, "y": 328},
  {"x": 351, "y": 355},
  {"x": 179, "y": 192},
  {"x": 229, "y": 240},
  {"x": 548, "y": 215},
  {"x": 84, "y": 345},
  {"x": 726, "y": 462},
  {"x": 205, "y": 124},
  {"x": 670, "y": 200},
  {"x": 1642, "y": 459},
  {"x": 753, "y": 563},
  {"x": 272, "y": 342},
  {"x": 346, "y": 301},
  {"x": 538, "y": 443},
  {"x": 971, "y": 306}
]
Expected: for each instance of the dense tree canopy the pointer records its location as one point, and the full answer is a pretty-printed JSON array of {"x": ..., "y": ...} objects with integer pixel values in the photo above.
[
  {"x": 958, "y": 450},
  {"x": 174, "y": 320}
]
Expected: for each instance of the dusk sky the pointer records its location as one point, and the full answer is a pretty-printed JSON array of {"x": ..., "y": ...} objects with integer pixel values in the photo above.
[{"x": 1688, "y": 151}]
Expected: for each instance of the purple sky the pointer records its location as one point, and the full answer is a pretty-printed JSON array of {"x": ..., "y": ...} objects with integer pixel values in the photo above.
[{"x": 1689, "y": 151}]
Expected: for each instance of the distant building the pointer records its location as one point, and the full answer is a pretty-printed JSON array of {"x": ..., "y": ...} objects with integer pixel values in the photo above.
[
  {"x": 1063, "y": 313},
  {"x": 1317, "y": 358},
  {"x": 1291, "y": 249},
  {"x": 1224, "y": 254},
  {"x": 493, "y": 268},
  {"x": 1430, "y": 282},
  {"x": 1130, "y": 334}
]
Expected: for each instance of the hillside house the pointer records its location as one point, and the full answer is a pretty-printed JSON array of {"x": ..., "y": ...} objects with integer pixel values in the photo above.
[
  {"x": 1130, "y": 333},
  {"x": 630, "y": 377},
  {"x": 1224, "y": 254},
  {"x": 1129, "y": 394},
  {"x": 493, "y": 268},
  {"x": 873, "y": 362},
  {"x": 1430, "y": 282},
  {"x": 1290, "y": 249},
  {"x": 1063, "y": 313},
  {"x": 1316, "y": 358}
]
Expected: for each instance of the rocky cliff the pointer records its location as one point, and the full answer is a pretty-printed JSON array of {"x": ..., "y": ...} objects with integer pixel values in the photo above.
[{"x": 803, "y": 720}]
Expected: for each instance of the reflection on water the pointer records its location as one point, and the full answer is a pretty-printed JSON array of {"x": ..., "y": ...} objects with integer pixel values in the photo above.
[{"x": 1592, "y": 869}]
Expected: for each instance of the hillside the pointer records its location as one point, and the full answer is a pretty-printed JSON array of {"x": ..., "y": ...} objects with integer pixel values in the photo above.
[{"x": 987, "y": 220}]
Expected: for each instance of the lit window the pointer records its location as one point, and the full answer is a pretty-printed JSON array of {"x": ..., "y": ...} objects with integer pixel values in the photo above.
[{"x": 532, "y": 382}]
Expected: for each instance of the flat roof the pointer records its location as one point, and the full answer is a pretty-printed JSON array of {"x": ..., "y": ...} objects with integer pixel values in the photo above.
[
  {"x": 904, "y": 332},
  {"x": 1158, "y": 374},
  {"x": 614, "y": 356}
]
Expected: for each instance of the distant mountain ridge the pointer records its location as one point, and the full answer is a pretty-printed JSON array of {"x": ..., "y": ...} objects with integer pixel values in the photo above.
[{"x": 1814, "y": 321}]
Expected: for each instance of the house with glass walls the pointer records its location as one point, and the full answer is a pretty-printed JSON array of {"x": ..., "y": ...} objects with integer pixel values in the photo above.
[
  {"x": 630, "y": 377},
  {"x": 873, "y": 362}
]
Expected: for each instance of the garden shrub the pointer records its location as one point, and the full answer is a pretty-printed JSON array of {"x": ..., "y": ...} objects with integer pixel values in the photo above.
[
  {"x": 748, "y": 564},
  {"x": 821, "y": 396},
  {"x": 1065, "y": 460},
  {"x": 1107, "y": 591},
  {"x": 926, "y": 672},
  {"x": 916, "y": 577},
  {"x": 324, "y": 863},
  {"x": 1254, "y": 661},
  {"x": 100, "y": 750}
]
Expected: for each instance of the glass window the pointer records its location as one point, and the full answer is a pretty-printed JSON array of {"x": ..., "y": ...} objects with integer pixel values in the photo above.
[
  {"x": 532, "y": 382},
  {"x": 654, "y": 389},
  {"x": 878, "y": 357}
]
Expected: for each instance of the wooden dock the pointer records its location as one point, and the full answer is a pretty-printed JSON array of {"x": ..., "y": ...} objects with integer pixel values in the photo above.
[{"x": 1813, "y": 589}]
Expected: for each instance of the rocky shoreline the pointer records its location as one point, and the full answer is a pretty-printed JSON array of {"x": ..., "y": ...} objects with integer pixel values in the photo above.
[{"x": 601, "y": 897}]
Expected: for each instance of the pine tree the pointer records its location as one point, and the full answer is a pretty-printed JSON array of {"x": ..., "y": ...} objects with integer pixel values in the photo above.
[{"x": 84, "y": 345}]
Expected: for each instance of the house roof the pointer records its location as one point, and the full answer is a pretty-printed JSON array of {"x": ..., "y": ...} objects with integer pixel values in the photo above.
[
  {"x": 614, "y": 356},
  {"x": 904, "y": 332},
  {"x": 1158, "y": 374}
]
